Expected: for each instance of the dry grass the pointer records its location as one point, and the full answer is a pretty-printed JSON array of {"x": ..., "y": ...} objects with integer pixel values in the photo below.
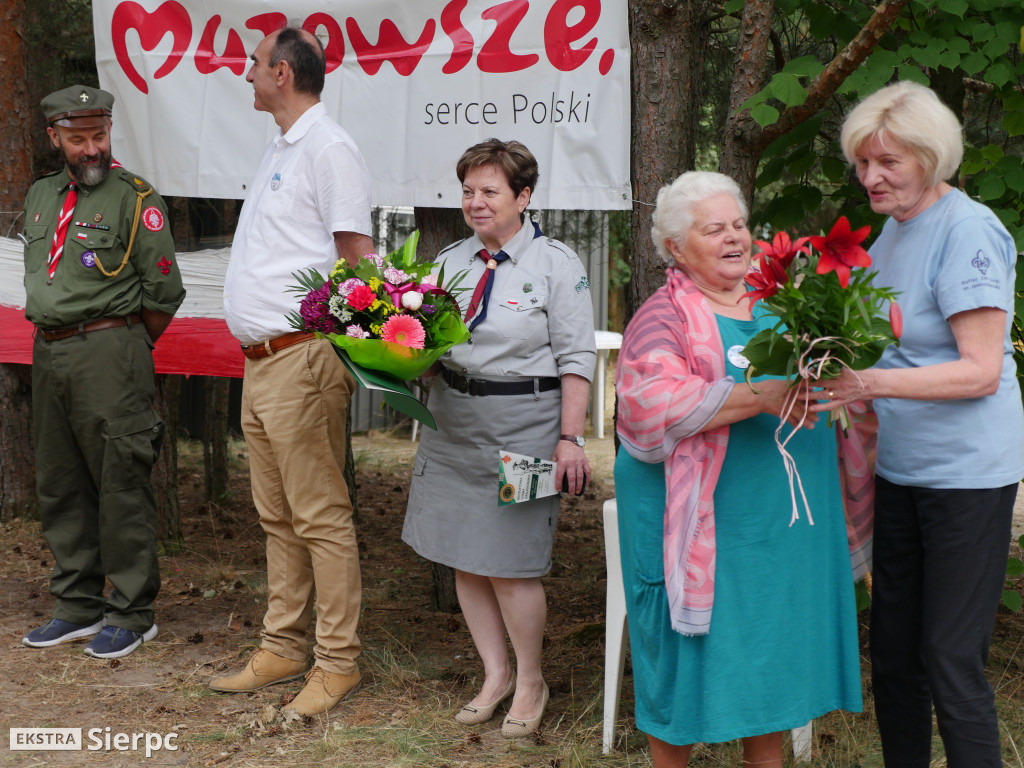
[{"x": 418, "y": 666}]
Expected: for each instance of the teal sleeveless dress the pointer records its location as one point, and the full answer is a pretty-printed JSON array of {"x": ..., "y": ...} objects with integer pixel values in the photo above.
[{"x": 782, "y": 647}]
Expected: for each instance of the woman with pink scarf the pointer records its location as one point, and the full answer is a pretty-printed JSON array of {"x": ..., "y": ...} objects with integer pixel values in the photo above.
[{"x": 741, "y": 626}]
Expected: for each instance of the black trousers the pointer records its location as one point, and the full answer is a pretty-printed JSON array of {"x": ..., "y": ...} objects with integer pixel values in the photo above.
[{"x": 939, "y": 567}]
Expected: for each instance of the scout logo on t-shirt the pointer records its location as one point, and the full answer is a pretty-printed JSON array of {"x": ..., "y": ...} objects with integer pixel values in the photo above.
[
  {"x": 981, "y": 262},
  {"x": 153, "y": 219}
]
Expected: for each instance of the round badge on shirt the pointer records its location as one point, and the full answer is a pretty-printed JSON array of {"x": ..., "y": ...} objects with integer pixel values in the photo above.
[
  {"x": 153, "y": 219},
  {"x": 735, "y": 355},
  {"x": 89, "y": 259}
]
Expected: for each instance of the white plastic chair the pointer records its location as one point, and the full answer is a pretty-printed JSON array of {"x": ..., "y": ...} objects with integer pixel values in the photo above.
[
  {"x": 615, "y": 629},
  {"x": 616, "y": 634}
]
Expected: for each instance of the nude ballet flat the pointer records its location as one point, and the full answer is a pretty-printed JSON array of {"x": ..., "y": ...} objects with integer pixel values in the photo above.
[
  {"x": 470, "y": 715},
  {"x": 514, "y": 729}
]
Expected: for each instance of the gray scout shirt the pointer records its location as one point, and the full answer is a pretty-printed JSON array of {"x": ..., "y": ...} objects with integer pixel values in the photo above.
[{"x": 540, "y": 321}]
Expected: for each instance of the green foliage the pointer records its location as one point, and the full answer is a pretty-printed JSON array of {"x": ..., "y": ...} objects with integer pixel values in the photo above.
[
  {"x": 1012, "y": 597},
  {"x": 619, "y": 272},
  {"x": 804, "y": 178}
]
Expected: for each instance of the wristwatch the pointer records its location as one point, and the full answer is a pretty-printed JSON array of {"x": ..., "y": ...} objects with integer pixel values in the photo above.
[{"x": 575, "y": 439}]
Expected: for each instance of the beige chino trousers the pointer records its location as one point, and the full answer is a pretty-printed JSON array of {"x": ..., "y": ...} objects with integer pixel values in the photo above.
[{"x": 293, "y": 417}]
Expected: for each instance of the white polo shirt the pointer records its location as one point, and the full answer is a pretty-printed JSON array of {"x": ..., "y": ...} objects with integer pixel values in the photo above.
[{"x": 311, "y": 183}]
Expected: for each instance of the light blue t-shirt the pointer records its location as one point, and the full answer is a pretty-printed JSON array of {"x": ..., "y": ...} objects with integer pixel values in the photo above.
[{"x": 953, "y": 257}]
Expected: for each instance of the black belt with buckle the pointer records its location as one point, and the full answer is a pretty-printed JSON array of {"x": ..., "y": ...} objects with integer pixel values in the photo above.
[{"x": 481, "y": 388}]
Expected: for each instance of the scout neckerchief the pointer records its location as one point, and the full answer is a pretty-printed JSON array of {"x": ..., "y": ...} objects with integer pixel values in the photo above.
[
  {"x": 482, "y": 292},
  {"x": 60, "y": 233}
]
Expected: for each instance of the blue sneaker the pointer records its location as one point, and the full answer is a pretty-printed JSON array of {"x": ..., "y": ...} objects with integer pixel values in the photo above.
[
  {"x": 113, "y": 642},
  {"x": 57, "y": 631}
]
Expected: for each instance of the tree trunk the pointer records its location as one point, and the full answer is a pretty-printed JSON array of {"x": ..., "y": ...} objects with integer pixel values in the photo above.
[
  {"x": 215, "y": 437},
  {"x": 439, "y": 228},
  {"x": 740, "y": 150},
  {"x": 350, "y": 466},
  {"x": 15, "y": 112},
  {"x": 669, "y": 46},
  {"x": 165, "y": 471},
  {"x": 443, "y": 597},
  {"x": 17, "y": 467}
]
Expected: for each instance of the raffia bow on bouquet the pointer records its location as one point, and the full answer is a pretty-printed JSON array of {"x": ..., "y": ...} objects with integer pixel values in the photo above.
[{"x": 831, "y": 318}]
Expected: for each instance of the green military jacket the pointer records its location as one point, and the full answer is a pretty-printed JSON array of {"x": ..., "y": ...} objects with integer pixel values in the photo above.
[{"x": 97, "y": 237}]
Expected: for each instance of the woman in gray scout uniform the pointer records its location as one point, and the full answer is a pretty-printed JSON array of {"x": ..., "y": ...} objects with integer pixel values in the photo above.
[{"x": 520, "y": 384}]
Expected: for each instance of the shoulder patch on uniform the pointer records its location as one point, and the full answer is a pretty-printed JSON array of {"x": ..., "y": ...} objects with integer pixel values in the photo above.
[
  {"x": 133, "y": 180},
  {"x": 558, "y": 245},
  {"x": 453, "y": 245},
  {"x": 153, "y": 219},
  {"x": 583, "y": 285}
]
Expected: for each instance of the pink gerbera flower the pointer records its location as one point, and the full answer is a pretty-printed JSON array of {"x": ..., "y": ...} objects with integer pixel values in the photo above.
[{"x": 405, "y": 330}]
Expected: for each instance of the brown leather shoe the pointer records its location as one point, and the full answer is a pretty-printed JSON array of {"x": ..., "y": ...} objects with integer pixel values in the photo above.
[
  {"x": 323, "y": 692},
  {"x": 263, "y": 668}
]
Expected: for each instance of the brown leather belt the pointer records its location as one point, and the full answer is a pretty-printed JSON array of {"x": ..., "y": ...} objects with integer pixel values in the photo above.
[
  {"x": 95, "y": 325},
  {"x": 268, "y": 348}
]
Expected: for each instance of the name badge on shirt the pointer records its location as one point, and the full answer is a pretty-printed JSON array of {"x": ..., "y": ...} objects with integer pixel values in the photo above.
[{"x": 736, "y": 357}]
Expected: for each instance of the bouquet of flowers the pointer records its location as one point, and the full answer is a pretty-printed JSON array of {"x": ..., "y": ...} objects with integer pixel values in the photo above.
[
  {"x": 830, "y": 318},
  {"x": 388, "y": 314},
  {"x": 830, "y": 315}
]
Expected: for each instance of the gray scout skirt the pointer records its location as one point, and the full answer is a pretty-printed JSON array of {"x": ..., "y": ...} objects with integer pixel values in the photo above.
[{"x": 453, "y": 515}]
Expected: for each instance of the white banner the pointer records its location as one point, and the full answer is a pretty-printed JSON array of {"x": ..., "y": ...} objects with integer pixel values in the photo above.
[{"x": 415, "y": 83}]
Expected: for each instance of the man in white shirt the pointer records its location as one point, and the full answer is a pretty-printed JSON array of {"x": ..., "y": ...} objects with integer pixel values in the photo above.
[{"x": 308, "y": 206}]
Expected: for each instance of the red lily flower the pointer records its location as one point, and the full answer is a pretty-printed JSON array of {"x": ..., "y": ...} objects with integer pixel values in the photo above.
[
  {"x": 896, "y": 319},
  {"x": 764, "y": 282},
  {"x": 840, "y": 250},
  {"x": 782, "y": 248},
  {"x": 775, "y": 268}
]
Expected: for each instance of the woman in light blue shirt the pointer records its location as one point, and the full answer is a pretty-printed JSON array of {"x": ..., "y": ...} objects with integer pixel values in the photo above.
[{"x": 951, "y": 431}]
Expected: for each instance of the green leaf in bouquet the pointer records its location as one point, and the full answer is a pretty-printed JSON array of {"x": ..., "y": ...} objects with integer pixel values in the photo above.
[
  {"x": 308, "y": 280},
  {"x": 769, "y": 353},
  {"x": 868, "y": 354},
  {"x": 404, "y": 257},
  {"x": 452, "y": 330}
]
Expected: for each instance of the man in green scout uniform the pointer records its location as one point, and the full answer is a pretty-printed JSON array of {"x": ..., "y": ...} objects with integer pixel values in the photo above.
[{"x": 101, "y": 285}]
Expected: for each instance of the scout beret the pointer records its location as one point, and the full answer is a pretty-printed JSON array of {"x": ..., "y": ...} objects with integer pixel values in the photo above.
[{"x": 78, "y": 107}]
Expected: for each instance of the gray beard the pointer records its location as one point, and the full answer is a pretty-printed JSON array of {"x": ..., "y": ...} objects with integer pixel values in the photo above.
[{"x": 90, "y": 175}]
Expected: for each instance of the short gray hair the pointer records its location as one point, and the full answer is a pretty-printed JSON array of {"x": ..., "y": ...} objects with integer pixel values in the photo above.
[
  {"x": 913, "y": 115},
  {"x": 673, "y": 213}
]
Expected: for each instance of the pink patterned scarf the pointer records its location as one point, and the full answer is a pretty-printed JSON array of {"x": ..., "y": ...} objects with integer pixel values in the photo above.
[{"x": 670, "y": 381}]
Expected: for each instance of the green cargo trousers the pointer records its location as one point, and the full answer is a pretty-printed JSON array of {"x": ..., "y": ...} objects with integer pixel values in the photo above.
[{"x": 96, "y": 438}]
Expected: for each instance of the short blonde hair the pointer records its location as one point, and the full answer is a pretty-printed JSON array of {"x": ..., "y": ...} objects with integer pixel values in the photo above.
[
  {"x": 913, "y": 115},
  {"x": 673, "y": 213}
]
